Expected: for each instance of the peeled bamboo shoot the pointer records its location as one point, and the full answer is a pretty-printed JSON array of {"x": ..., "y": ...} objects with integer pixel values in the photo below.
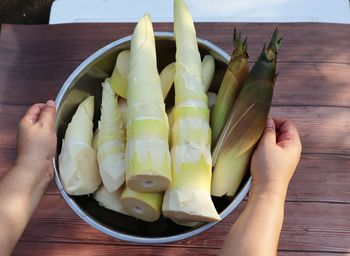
[
  {"x": 167, "y": 78},
  {"x": 208, "y": 71},
  {"x": 147, "y": 152},
  {"x": 111, "y": 141},
  {"x": 246, "y": 123},
  {"x": 77, "y": 161},
  {"x": 110, "y": 201},
  {"x": 119, "y": 78},
  {"x": 144, "y": 206},
  {"x": 188, "y": 197}
]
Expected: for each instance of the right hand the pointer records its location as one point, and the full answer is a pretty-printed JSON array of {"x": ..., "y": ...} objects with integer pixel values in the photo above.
[
  {"x": 276, "y": 156},
  {"x": 37, "y": 140}
]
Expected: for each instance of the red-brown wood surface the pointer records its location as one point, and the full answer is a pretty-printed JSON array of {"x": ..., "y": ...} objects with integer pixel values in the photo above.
[{"x": 313, "y": 89}]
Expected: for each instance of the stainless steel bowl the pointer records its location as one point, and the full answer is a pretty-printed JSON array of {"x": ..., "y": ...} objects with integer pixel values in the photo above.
[{"x": 86, "y": 80}]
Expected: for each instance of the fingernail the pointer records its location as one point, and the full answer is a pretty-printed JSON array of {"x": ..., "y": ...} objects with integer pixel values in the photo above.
[
  {"x": 50, "y": 103},
  {"x": 270, "y": 123}
]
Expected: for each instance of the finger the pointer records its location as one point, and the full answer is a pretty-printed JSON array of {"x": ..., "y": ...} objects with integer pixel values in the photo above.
[
  {"x": 32, "y": 114},
  {"x": 47, "y": 115},
  {"x": 269, "y": 134},
  {"x": 288, "y": 134}
]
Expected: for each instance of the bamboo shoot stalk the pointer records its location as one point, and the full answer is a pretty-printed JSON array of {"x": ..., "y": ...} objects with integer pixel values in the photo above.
[
  {"x": 188, "y": 197},
  {"x": 147, "y": 152},
  {"x": 230, "y": 87},
  {"x": 111, "y": 140},
  {"x": 77, "y": 161},
  {"x": 232, "y": 154}
]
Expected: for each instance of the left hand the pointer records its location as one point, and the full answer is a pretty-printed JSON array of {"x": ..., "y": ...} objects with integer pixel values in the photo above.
[{"x": 36, "y": 145}]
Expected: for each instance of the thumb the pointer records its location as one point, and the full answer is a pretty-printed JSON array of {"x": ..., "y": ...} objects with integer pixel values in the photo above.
[
  {"x": 47, "y": 115},
  {"x": 269, "y": 134}
]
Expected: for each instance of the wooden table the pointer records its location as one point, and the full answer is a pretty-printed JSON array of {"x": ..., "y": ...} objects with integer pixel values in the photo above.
[{"x": 313, "y": 89}]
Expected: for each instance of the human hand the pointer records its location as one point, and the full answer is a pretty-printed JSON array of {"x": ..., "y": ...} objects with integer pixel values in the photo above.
[
  {"x": 36, "y": 142},
  {"x": 276, "y": 156}
]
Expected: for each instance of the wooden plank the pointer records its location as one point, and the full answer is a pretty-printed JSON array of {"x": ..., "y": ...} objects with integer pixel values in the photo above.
[
  {"x": 322, "y": 129},
  {"x": 297, "y": 83},
  {"x": 57, "y": 249},
  {"x": 307, "y": 227},
  {"x": 29, "y": 83},
  {"x": 322, "y": 178},
  {"x": 312, "y": 84},
  {"x": 45, "y": 61},
  {"x": 298, "y": 43},
  {"x": 305, "y": 253}
]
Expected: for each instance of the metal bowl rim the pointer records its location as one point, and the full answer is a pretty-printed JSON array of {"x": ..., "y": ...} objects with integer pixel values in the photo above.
[{"x": 92, "y": 221}]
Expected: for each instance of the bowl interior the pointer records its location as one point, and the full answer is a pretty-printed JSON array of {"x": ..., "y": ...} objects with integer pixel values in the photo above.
[{"x": 85, "y": 81}]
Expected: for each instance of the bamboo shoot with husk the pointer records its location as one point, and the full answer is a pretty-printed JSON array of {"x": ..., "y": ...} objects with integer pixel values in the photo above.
[
  {"x": 143, "y": 206},
  {"x": 188, "y": 197},
  {"x": 246, "y": 123},
  {"x": 111, "y": 141},
  {"x": 208, "y": 71},
  {"x": 119, "y": 78},
  {"x": 109, "y": 200},
  {"x": 230, "y": 87},
  {"x": 147, "y": 152},
  {"x": 77, "y": 161}
]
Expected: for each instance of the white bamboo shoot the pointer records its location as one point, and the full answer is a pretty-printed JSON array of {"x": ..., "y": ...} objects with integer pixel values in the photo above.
[
  {"x": 119, "y": 78},
  {"x": 77, "y": 161},
  {"x": 111, "y": 141},
  {"x": 110, "y": 201},
  {"x": 188, "y": 197},
  {"x": 147, "y": 152}
]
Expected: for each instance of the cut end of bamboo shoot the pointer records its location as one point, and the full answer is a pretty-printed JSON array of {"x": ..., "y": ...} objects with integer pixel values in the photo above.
[
  {"x": 110, "y": 201},
  {"x": 148, "y": 183},
  {"x": 143, "y": 206},
  {"x": 189, "y": 205}
]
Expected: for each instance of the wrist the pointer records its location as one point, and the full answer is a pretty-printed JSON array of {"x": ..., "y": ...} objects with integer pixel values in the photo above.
[
  {"x": 39, "y": 171},
  {"x": 29, "y": 162},
  {"x": 272, "y": 189}
]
